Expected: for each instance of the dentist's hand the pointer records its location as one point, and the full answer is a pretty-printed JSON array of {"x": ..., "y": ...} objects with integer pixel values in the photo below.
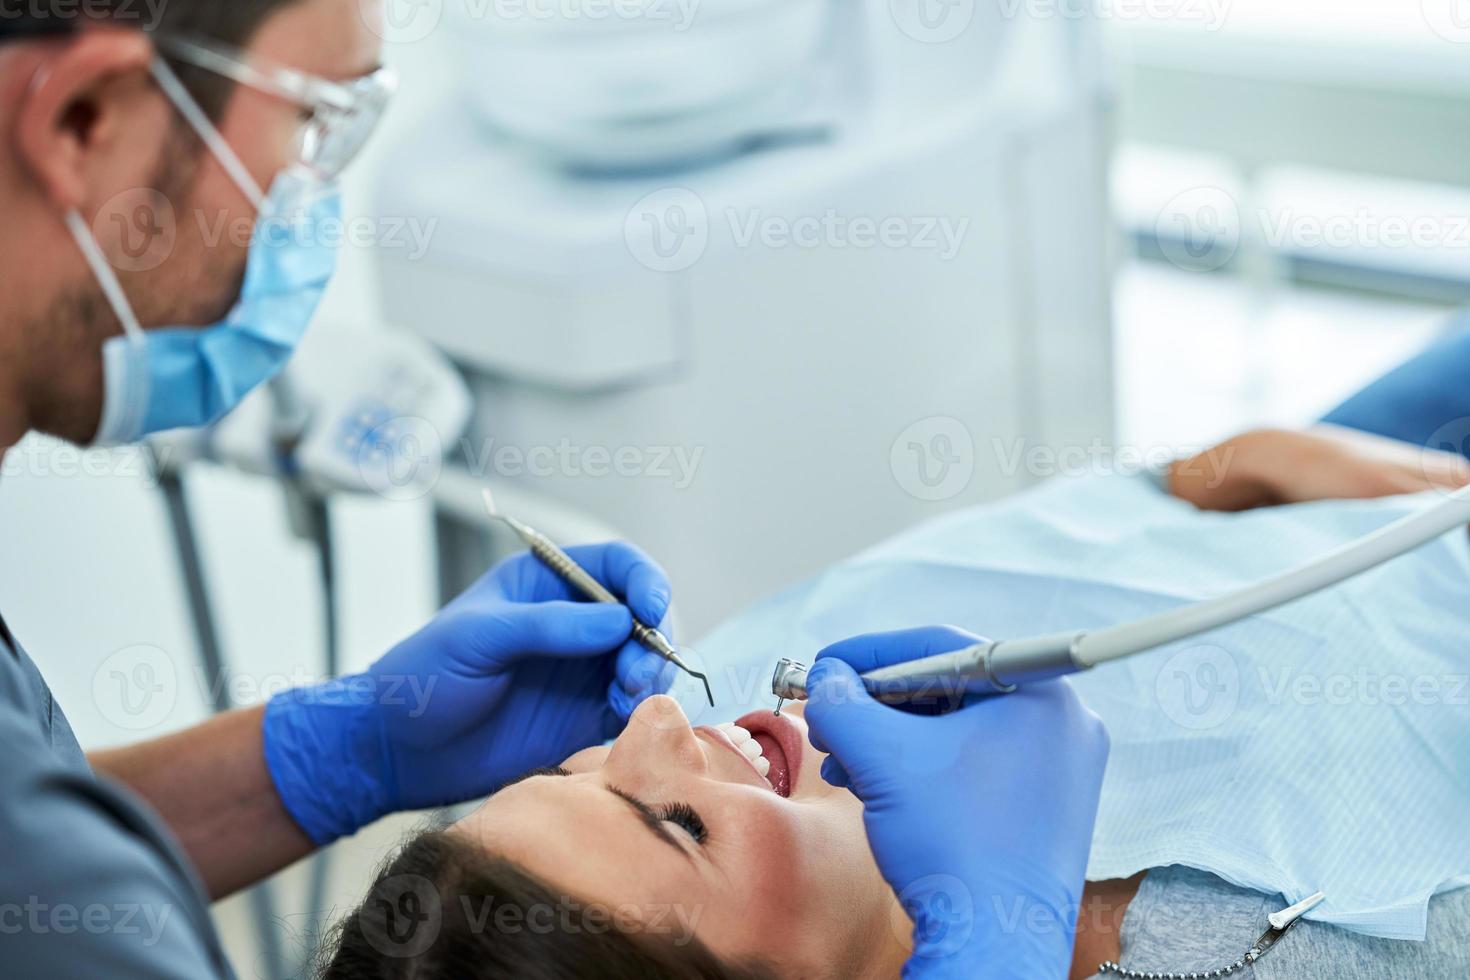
[
  {"x": 980, "y": 819},
  {"x": 511, "y": 675}
]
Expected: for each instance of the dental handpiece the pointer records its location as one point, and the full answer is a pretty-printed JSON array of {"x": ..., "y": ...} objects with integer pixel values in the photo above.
[
  {"x": 1001, "y": 666},
  {"x": 580, "y": 579},
  {"x": 982, "y": 669}
]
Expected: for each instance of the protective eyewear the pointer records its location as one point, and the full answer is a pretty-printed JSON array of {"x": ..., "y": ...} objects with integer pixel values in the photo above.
[{"x": 342, "y": 114}]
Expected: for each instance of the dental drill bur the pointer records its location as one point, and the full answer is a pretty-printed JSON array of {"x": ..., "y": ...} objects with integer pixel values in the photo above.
[{"x": 580, "y": 579}]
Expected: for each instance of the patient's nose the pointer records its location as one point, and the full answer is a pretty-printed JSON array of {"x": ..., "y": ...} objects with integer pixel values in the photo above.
[{"x": 658, "y": 737}]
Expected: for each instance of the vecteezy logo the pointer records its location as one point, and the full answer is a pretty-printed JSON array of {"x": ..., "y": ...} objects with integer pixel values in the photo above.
[
  {"x": 136, "y": 688},
  {"x": 942, "y": 912},
  {"x": 933, "y": 459},
  {"x": 136, "y": 229},
  {"x": 402, "y": 916},
  {"x": 1450, "y": 19},
  {"x": 932, "y": 21},
  {"x": 1452, "y": 437},
  {"x": 401, "y": 21},
  {"x": 668, "y": 230},
  {"x": 1199, "y": 230},
  {"x": 399, "y": 457},
  {"x": 1199, "y": 687}
]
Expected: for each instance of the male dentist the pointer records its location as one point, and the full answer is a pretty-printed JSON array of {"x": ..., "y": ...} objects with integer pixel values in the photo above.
[{"x": 240, "y": 113}]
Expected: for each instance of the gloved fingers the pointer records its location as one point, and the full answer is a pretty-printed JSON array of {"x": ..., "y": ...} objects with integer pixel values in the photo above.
[
  {"x": 873, "y": 650},
  {"x": 843, "y": 719},
  {"x": 640, "y": 670},
  {"x": 833, "y": 773},
  {"x": 1055, "y": 708},
  {"x": 623, "y": 702},
  {"x": 612, "y": 721},
  {"x": 512, "y": 632},
  {"x": 626, "y": 572},
  {"x": 630, "y": 575}
]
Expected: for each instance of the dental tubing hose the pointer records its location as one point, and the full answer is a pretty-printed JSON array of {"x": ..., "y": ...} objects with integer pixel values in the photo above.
[{"x": 1001, "y": 666}]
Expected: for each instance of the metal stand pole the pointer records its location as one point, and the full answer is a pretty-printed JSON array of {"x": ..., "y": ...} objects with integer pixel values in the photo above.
[{"x": 262, "y": 896}]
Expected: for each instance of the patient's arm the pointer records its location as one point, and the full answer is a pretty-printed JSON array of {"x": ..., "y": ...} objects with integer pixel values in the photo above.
[{"x": 1266, "y": 467}]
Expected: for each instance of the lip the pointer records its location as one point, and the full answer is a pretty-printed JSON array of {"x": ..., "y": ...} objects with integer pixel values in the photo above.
[
  {"x": 780, "y": 732},
  {"x": 714, "y": 734}
]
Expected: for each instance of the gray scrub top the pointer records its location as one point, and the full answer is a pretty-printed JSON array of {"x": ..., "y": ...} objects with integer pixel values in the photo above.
[{"x": 91, "y": 883}]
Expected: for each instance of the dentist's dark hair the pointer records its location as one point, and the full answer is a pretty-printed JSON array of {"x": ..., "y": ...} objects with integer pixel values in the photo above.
[
  {"x": 443, "y": 908},
  {"x": 233, "y": 22}
]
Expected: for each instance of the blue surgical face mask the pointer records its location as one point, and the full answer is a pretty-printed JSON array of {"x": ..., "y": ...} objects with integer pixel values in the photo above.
[{"x": 176, "y": 377}]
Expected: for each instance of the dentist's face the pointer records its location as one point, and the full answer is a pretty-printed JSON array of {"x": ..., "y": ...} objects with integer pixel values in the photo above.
[
  {"x": 328, "y": 39},
  {"x": 681, "y": 822},
  {"x": 174, "y": 225}
]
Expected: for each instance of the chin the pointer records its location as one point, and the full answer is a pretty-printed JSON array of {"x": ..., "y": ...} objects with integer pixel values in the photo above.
[
  {"x": 215, "y": 306},
  {"x": 215, "y": 311}
]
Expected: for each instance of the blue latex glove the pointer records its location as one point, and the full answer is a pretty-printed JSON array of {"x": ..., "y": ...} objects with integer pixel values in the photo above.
[
  {"x": 511, "y": 675},
  {"x": 980, "y": 819}
]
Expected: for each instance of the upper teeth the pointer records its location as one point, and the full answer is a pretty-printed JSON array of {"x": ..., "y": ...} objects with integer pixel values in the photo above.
[{"x": 748, "y": 745}]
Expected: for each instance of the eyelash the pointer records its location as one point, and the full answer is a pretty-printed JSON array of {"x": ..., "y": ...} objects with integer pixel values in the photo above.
[{"x": 683, "y": 815}]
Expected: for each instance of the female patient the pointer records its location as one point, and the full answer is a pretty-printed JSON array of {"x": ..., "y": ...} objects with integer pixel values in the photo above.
[
  {"x": 714, "y": 851},
  {"x": 720, "y": 851}
]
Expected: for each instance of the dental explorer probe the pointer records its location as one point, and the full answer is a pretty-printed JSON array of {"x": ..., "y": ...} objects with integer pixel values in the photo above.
[
  {"x": 999, "y": 667},
  {"x": 580, "y": 579}
]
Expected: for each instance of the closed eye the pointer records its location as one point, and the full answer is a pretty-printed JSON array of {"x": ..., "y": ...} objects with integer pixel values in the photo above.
[
  {"x": 683, "y": 815},
  {"x": 655, "y": 818}
]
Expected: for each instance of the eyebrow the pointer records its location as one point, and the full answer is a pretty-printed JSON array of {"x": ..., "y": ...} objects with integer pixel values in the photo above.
[
  {"x": 531, "y": 773},
  {"x": 643, "y": 811}
]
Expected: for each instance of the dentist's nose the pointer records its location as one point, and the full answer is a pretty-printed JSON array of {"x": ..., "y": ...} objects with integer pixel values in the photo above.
[{"x": 658, "y": 737}]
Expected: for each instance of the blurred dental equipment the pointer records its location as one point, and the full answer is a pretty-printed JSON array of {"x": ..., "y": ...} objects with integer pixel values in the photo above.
[
  {"x": 647, "y": 269},
  {"x": 1000, "y": 667},
  {"x": 659, "y": 83},
  {"x": 580, "y": 579},
  {"x": 358, "y": 411}
]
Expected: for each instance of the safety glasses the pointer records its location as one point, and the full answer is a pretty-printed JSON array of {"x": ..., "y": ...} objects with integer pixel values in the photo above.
[{"x": 342, "y": 114}]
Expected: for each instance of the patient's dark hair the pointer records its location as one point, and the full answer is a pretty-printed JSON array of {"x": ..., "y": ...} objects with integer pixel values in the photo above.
[{"x": 443, "y": 907}]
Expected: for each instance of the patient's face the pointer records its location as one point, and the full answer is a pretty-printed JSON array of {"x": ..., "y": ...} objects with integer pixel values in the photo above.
[{"x": 680, "y": 822}]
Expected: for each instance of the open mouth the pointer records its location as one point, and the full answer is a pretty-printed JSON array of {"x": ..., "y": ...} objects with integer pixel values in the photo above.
[{"x": 779, "y": 741}]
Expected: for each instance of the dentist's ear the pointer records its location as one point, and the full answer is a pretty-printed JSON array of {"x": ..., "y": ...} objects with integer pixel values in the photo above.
[{"x": 91, "y": 123}]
